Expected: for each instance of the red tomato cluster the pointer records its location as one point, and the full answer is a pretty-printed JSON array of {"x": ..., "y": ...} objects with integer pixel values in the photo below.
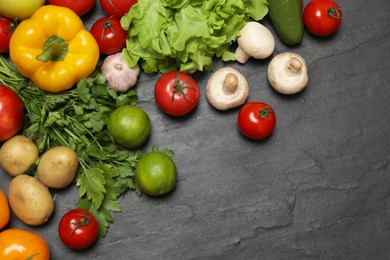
[{"x": 107, "y": 31}]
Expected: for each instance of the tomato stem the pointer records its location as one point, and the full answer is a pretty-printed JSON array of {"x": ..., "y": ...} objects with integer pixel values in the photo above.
[
  {"x": 83, "y": 222},
  {"x": 334, "y": 12},
  {"x": 13, "y": 25},
  {"x": 264, "y": 112},
  {"x": 32, "y": 256},
  {"x": 179, "y": 87},
  {"x": 107, "y": 25}
]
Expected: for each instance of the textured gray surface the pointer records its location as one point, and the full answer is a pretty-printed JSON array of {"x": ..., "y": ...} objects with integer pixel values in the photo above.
[{"x": 318, "y": 188}]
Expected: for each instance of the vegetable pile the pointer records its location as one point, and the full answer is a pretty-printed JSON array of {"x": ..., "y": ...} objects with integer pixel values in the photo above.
[
  {"x": 68, "y": 109},
  {"x": 185, "y": 34},
  {"x": 76, "y": 119}
]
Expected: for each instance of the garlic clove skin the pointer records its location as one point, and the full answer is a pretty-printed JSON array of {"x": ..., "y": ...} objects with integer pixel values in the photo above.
[{"x": 119, "y": 75}]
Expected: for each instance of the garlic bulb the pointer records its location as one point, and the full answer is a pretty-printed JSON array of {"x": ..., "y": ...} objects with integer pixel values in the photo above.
[{"x": 119, "y": 75}]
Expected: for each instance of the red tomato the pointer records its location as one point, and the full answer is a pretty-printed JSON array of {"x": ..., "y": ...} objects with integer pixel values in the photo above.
[
  {"x": 256, "y": 120},
  {"x": 322, "y": 17},
  {"x": 7, "y": 27},
  {"x": 78, "y": 229},
  {"x": 176, "y": 93},
  {"x": 80, "y": 7},
  {"x": 116, "y": 8},
  {"x": 109, "y": 35},
  {"x": 11, "y": 113}
]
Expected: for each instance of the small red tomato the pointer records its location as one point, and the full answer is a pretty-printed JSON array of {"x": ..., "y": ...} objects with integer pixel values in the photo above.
[
  {"x": 176, "y": 93},
  {"x": 322, "y": 17},
  {"x": 117, "y": 8},
  {"x": 11, "y": 113},
  {"x": 256, "y": 120},
  {"x": 109, "y": 35},
  {"x": 78, "y": 229},
  {"x": 79, "y": 7},
  {"x": 7, "y": 27}
]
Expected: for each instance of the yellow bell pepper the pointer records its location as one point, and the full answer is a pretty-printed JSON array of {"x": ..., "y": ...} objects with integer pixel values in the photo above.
[{"x": 53, "y": 49}]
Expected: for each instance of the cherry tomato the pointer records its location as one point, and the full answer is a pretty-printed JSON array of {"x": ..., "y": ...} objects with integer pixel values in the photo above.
[
  {"x": 176, "y": 93},
  {"x": 7, "y": 27},
  {"x": 109, "y": 35},
  {"x": 322, "y": 17},
  {"x": 116, "y": 8},
  {"x": 17, "y": 243},
  {"x": 256, "y": 120},
  {"x": 4, "y": 212},
  {"x": 80, "y": 7},
  {"x": 11, "y": 113},
  {"x": 78, "y": 229}
]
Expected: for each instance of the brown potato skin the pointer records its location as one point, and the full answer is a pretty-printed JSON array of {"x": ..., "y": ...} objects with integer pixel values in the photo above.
[
  {"x": 17, "y": 154},
  {"x": 57, "y": 167},
  {"x": 30, "y": 200}
]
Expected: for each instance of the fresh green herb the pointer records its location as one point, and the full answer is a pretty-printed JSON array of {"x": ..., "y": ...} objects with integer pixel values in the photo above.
[
  {"x": 77, "y": 119},
  {"x": 186, "y": 34}
]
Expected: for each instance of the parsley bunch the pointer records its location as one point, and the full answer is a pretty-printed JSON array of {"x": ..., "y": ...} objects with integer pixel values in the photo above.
[{"x": 77, "y": 119}]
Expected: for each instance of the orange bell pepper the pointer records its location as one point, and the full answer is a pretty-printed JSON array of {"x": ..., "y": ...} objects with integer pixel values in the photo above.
[
  {"x": 18, "y": 243},
  {"x": 53, "y": 49}
]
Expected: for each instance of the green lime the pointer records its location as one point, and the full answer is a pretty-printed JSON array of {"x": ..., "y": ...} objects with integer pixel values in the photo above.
[
  {"x": 129, "y": 126},
  {"x": 156, "y": 173}
]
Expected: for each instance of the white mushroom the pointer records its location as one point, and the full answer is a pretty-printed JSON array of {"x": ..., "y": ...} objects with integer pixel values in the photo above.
[
  {"x": 255, "y": 41},
  {"x": 227, "y": 88},
  {"x": 287, "y": 73}
]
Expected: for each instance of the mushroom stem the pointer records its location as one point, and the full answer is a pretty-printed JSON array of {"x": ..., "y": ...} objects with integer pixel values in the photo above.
[
  {"x": 230, "y": 84},
  {"x": 241, "y": 55},
  {"x": 294, "y": 66}
]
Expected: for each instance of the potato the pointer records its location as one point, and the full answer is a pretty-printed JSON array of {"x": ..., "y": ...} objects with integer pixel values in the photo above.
[
  {"x": 58, "y": 167},
  {"x": 30, "y": 200},
  {"x": 17, "y": 154}
]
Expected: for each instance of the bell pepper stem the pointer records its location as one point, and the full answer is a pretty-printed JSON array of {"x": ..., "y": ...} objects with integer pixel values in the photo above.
[{"x": 55, "y": 49}]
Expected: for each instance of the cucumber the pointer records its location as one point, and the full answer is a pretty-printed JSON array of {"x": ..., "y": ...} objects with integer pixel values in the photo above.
[{"x": 286, "y": 17}]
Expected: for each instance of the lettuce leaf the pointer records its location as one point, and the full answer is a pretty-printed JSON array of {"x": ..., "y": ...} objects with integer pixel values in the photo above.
[{"x": 185, "y": 34}]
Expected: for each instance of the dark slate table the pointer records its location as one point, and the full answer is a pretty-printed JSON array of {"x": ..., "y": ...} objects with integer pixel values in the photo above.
[{"x": 318, "y": 188}]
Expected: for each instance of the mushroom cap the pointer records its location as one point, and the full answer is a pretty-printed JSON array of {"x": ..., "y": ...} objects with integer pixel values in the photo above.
[
  {"x": 221, "y": 94},
  {"x": 287, "y": 73},
  {"x": 256, "y": 41}
]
